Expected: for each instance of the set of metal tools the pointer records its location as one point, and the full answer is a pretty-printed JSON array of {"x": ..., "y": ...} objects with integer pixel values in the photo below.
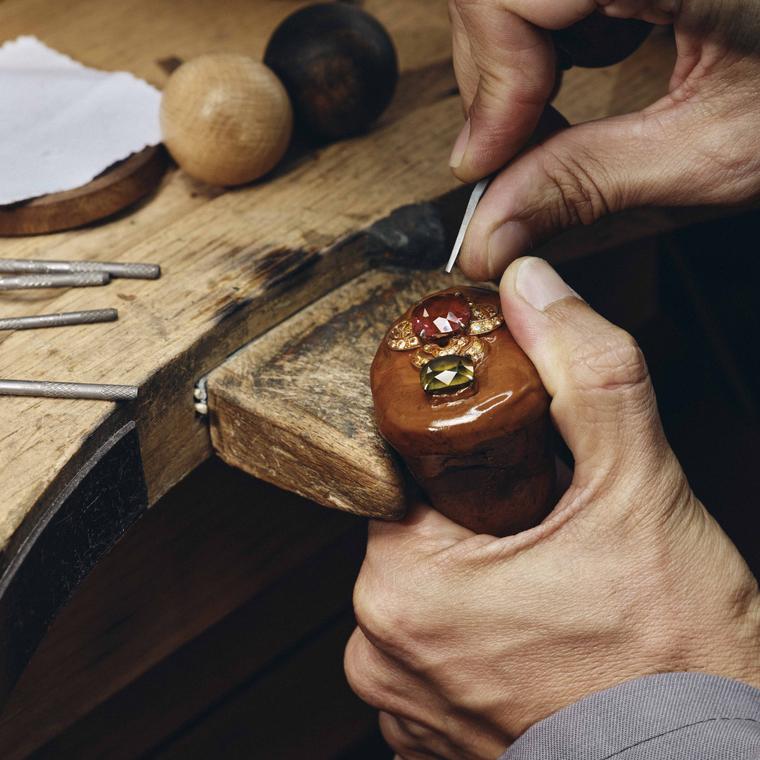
[{"x": 25, "y": 274}]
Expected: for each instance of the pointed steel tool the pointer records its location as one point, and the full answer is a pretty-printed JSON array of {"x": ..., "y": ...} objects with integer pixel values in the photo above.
[
  {"x": 127, "y": 270},
  {"x": 88, "y": 317},
  {"x": 472, "y": 204},
  {"x": 36, "y": 281},
  {"x": 46, "y": 389}
]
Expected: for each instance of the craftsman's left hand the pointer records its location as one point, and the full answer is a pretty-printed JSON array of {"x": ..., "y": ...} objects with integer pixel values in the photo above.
[{"x": 465, "y": 640}]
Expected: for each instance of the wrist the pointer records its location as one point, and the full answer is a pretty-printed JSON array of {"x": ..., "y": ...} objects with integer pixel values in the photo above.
[{"x": 750, "y": 625}]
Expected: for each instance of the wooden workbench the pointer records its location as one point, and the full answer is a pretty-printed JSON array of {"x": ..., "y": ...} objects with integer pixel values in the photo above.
[{"x": 75, "y": 475}]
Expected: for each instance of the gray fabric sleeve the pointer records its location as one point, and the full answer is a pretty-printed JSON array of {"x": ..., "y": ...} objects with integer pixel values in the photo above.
[{"x": 673, "y": 716}]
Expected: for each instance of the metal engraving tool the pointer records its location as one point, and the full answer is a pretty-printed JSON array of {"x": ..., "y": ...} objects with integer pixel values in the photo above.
[{"x": 472, "y": 204}]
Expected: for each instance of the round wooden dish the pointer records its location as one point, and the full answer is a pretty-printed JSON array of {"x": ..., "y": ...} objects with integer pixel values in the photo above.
[{"x": 118, "y": 187}]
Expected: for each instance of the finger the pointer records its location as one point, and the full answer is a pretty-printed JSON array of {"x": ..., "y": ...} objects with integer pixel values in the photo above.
[
  {"x": 653, "y": 11},
  {"x": 516, "y": 73},
  {"x": 465, "y": 71},
  {"x": 602, "y": 399},
  {"x": 573, "y": 178}
]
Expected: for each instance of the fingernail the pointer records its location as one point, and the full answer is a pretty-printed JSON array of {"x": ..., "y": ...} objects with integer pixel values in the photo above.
[
  {"x": 540, "y": 285},
  {"x": 505, "y": 244},
  {"x": 460, "y": 146}
]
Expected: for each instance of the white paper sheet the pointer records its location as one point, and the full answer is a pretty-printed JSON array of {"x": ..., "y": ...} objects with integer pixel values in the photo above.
[{"x": 62, "y": 124}]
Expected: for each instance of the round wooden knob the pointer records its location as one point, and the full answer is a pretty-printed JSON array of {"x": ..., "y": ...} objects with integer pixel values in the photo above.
[
  {"x": 226, "y": 119},
  {"x": 339, "y": 66}
]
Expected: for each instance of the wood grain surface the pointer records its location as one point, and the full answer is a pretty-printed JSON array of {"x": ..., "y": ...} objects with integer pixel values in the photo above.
[
  {"x": 235, "y": 263},
  {"x": 111, "y": 192}
]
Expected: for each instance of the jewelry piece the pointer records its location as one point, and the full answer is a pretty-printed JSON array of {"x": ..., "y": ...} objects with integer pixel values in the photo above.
[
  {"x": 127, "y": 270},
  {"x": 90, "y": 316},
  {"x": 444, "y": 328},
  {"x": 443, "y": 316},
  {"x": 45, "y": 389}
]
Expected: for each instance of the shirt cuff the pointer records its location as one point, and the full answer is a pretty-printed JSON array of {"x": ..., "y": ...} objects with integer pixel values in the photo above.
[{"x": 674, "y": 715}]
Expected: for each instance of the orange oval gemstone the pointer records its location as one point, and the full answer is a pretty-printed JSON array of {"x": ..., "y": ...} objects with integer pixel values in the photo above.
[{"x": 441, "y": 316}]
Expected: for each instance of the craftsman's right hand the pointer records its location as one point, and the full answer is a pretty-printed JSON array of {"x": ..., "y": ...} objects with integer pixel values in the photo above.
[{"x": 698, "y": 145}]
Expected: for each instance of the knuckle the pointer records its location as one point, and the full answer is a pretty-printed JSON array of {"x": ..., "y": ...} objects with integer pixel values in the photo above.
[
  {"x": 362, "y": 675},
  {"x": 379, "y": 613},
  {"x": 404, "y": 737},
  {"x": 578, "y": 185}
]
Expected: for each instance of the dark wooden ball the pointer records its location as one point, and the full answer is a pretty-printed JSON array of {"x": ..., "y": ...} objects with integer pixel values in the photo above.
[
  {"x": 338, "y": 65},
  {"x": 599, "y": 40}
]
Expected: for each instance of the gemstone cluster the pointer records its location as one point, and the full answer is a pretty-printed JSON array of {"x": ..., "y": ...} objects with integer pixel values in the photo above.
[{"x": 443, "y": 331}]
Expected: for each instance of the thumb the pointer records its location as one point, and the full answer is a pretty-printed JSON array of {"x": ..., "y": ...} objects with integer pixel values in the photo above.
[
  {"x": 574, "y": 177},
  {"x": 603, "y": 403}
]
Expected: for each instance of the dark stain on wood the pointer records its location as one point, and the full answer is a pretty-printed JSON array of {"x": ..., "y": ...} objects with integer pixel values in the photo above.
[
  {"x": 267, "y": 268},
  {"x": 279, "y": 264},
  {"x": 231, "y": 308}
]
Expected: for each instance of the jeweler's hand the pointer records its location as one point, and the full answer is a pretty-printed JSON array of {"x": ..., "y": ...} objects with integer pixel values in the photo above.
[
  {"x": 700, "y": 144},
  {"x": 464, "y": 640}
]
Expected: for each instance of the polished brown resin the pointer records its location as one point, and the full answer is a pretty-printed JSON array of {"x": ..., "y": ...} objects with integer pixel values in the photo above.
[{"x": 483, "y": 456}]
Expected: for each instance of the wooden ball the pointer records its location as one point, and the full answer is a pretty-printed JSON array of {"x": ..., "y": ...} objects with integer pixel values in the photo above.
[
  {"x": 599, "y": 40},
  {"x": 339, "y": 66},
  {"x": 226, "y": 119}
]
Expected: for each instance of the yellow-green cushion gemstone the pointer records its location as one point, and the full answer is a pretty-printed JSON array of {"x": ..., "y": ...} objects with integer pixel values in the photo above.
[{"x": 446, "y": 374}]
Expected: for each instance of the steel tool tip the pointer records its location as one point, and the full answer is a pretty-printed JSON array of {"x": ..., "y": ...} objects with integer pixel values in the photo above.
[{"x": 472, "y": 204}]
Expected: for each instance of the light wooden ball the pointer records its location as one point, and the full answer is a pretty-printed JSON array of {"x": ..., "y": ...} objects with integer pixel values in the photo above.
[{"x": 226, "y": 119}]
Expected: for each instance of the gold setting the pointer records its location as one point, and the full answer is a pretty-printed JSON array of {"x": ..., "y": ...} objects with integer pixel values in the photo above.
[
  {"x": 485, "y": 319},
  {"x": 464, "y": 345},
  {"x": 401, "y": 337}
]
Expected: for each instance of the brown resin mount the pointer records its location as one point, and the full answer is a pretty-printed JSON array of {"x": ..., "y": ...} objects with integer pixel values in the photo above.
[{"x": 482, "y": 455}]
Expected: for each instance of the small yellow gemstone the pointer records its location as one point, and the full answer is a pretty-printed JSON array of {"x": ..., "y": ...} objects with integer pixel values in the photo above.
[{"x": 446, "y": 374}]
